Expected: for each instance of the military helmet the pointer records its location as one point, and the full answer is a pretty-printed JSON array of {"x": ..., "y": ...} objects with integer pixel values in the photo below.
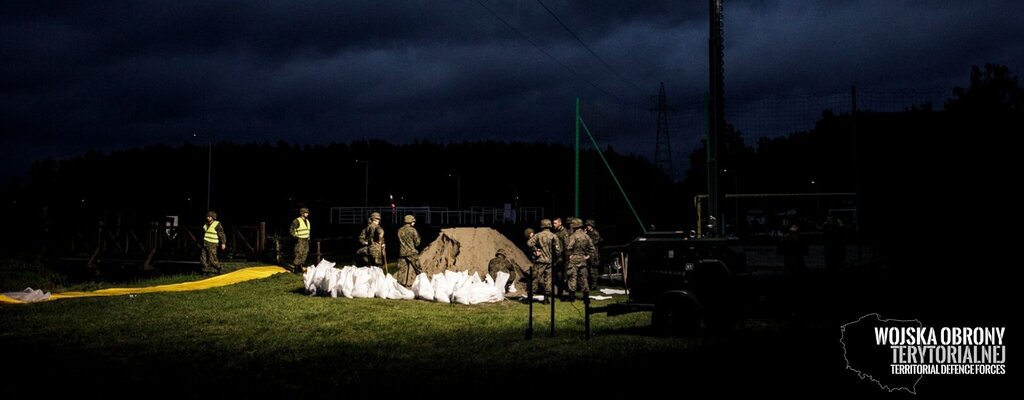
[
  {"x": 527, "y": 232},
  {"x": 545, "y": 223},
  {"x": 590, "y": 222},
  {"x": 575, "y": 223},
  {"x": 501, "y": 252},
  {"x": 211, "y": 214},
  {"x": 303, "y": 210},
  {"x": 409, "y": 219},
  {"x": 375, "y": 215}
]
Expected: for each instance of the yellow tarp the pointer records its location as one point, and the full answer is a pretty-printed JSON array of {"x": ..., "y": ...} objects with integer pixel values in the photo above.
[{"x": 242, "y": 275}]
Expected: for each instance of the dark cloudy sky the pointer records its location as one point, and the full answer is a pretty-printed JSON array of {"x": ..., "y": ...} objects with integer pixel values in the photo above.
[{"x": 109, "y": 75}]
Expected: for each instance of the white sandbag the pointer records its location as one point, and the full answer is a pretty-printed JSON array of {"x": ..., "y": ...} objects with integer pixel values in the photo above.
[
  {"x": 398, "y": 291},
  {"x": 321, "y": 271},
  {"x": 464, "y": 293},
  {"x": 307, "y": 281},
  {"x": 422, "y": 287},
  {"x": 464, "y": 279},
  {"x": 482, "y": 292},
  {"x": 500, "y": 282},
  {"x": 361, "y": 288},
  {"x": 454, "y": 278},
  {"x": 442, "y": 289},
  {"x": 347, "y": 280},
  {"x": 383, "y": 286},
  {"x": 332, "y": 282}
]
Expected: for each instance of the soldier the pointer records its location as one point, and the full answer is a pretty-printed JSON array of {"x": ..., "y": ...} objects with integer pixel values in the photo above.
[
  {"x": 578, "y": 250},
  {"x": 595, "y": 261},
  {"x": 300, "y": 231},
  {"x": 527, "y": 234},
  {"x": 545, "y": 248},
  {"x": 213, "y": 234},
  {"x": 500, "y": 262},
  {"x": 526, "y": 271},
  {"x": 372, "y": 238},
  {"x": 558, "y": 265},
  {"x": 408, "y": 256}
]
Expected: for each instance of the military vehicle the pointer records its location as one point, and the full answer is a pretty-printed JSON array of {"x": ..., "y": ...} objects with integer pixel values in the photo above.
[{"x": 684, "y": 280}]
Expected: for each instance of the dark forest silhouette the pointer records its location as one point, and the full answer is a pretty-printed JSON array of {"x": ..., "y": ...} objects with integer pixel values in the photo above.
[{"x": 922, "y": 176}]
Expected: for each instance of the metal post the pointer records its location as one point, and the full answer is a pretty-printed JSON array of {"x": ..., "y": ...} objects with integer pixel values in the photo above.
[
  {"x": 576, "y": 169},
  {"x": 209, "y": 172},
  {"x": 552, "y": 298},
  {"x": 529, "y": 300}
]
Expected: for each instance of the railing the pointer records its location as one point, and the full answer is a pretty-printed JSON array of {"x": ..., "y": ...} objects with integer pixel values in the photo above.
[
  {"x": 158, "y": 242},
  {"x": 439, "y": 215}
]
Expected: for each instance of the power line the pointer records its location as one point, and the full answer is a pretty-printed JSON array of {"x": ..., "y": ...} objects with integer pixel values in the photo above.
[
  {"x": 536, "y": 46},
  {"x": 628, "y": 82}
]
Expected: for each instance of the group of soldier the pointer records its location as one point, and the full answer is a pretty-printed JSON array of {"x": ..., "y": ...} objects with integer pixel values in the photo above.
[
  {"x": 564, "y": 259},
  {"x": 213, "y": 237},
  {"x": 373, "y": 254}
]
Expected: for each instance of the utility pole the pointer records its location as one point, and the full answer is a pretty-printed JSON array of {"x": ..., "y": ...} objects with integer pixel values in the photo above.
[
  {"x": 662, "y": 147},
  {"x": 716, "y": 106},
  {"x": 209, "y": 171}
]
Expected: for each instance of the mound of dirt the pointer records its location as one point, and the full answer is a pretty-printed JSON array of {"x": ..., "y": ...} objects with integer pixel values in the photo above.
[{"x": 468, "y": 249}]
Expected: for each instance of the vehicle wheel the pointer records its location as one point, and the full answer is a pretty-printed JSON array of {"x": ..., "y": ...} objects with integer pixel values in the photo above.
[{"x": 676, "y": 317}]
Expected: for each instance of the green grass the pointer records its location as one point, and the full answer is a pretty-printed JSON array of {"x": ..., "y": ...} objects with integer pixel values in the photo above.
[
  {"x": 16, "y": 275},
  {"x": 267, "y": 338}
]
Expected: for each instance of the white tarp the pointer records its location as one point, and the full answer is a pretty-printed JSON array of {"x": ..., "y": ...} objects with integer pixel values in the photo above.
[{"x": 29, "y": 295}]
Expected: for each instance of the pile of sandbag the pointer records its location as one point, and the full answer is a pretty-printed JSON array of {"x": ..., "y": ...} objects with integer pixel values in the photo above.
[{"x": 447, "y": 287}]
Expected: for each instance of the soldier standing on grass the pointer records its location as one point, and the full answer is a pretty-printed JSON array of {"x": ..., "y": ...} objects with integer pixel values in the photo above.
[
  {"x": 372, "y": 238},
  {"x": 213, "y": 234},
  {"x": 578, "y": 250},
  {"x": 594, "y": 262},
  {"x": 300, "y": 231},
  {"x": 545, "y": 248},
  {"x": 558, "y": 264},
  {"x": 408, "y": 255}
]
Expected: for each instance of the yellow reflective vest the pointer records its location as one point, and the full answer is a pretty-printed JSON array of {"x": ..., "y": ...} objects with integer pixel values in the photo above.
[
  {"x": 302, "y": 231},
  {"x": 211, "y": 232}
]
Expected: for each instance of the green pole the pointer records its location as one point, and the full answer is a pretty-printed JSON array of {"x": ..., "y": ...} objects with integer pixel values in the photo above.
[{"x": 576, "y": 192}]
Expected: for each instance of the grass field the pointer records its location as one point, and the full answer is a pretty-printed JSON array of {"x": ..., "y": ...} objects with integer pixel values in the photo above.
[{"x": 266, "y": 338}]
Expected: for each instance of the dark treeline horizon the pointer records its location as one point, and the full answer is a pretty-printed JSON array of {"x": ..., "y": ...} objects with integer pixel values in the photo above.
[
  {"x": 268, "y": 182},
  {"x": 932, "y": 186}
]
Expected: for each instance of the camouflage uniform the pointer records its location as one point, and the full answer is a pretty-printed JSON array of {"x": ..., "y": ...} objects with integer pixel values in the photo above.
[
  {"x": 595, "y": 261},
  {"x": 578, "y": 249},
  {"x": 213, "y": 235},
  {"x": 558, "y": 267},
  {"x": 408, "y": 256},
  {"x": 300, "y": 230},
  {"x": 499, "y": 263},
  {"x": 545, "y": 248},
  {"x": 372, "y": 238}
]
